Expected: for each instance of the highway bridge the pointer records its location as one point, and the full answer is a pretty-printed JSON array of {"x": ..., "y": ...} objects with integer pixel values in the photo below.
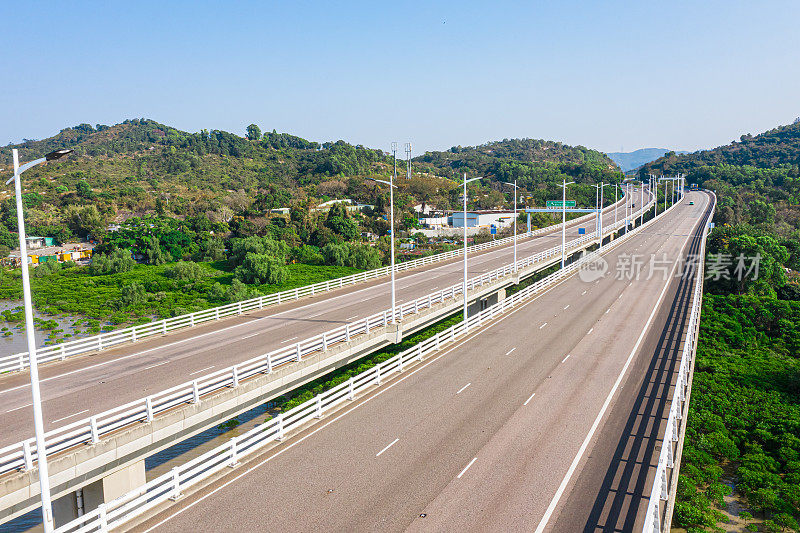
[{"x": 616, "y": 338}]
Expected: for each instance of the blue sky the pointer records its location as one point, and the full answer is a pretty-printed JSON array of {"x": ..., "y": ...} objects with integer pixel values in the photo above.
[{"x": 605, "y": 74}]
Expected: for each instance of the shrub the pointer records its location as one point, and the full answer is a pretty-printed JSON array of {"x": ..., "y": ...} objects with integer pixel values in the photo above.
[
  {"x": 115, "y": 262},
  {"x": 133, "y": 294},
  {"x": 261, "y": 268},
  {"x": 184, "y": 271}
]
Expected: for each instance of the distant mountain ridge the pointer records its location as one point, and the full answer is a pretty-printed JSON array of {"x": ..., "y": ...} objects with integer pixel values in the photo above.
[{"x": 632, "y": 160}]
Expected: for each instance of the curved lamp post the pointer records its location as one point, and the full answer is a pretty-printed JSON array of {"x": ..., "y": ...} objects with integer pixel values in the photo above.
[{"x": 38, "y": 424}]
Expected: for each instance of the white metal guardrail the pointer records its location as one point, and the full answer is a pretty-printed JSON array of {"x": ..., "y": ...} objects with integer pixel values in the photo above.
[
  {"x": 170, "y": 485},
  {"x": 22, "y": 455},
  {"x": 678, "y": 407},
  {"x": 19, "y": 361}
]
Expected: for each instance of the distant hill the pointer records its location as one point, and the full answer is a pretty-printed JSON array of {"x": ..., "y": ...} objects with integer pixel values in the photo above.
[
  {"x": 632, "y": 160},
  {"x": 773, "y": 148},
  {"x": 530, "y": 161},
  {"x": 142, "y": 167}
]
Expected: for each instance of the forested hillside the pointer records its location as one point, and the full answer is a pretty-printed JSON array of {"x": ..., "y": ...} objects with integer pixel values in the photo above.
[
  {"x": 184, "y": 221},
  {"x": 771, "y": 149},
  {"x": 530, "y": 161},
  {"x": 743, "y": 433}
]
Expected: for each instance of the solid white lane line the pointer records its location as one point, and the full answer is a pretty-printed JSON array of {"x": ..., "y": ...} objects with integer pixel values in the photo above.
[
  {"x": 565, "y": 359},
  {"x": 543, "y": 325},
  {"x": 564, "y": 482},
  {"x": 20, "y": 407},
  {"x": 529, "y": 398},
  {"x": 248, "y": 336},
  {"x": 566, "y": 307},
  {"x": 464, "y": 387},
  {"x": 467, "y": 467},
  {"x": 352, "y": 317},
  {"x": 584, "y": 292},
  {"x": 590, "y": 331},
  {"x": 70, "y": 416},
  {"x": 201, "y": 370},
  {"x": 316, "y": 315},
  {"x": 288, "y": 340},
  {"x": 155, "y": 365},
  {"x": 607, "y": 310},
  {"x": 511, "y": 350},
  {"x": 387, "y": 447}
]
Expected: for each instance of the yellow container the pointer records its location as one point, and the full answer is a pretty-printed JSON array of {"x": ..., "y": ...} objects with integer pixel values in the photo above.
[
  {"x": 34, "y": 259},
  {"x": 65, "y": 257}
]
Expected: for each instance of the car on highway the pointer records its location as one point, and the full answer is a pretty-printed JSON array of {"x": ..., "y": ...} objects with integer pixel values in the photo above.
[{"x": 690, "y": 203}]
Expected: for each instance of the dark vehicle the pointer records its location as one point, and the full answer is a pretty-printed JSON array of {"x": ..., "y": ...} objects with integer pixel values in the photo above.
[{"x": 690, "y": 203}]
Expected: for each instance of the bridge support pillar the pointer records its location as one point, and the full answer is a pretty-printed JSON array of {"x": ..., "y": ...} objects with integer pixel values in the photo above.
[
  {"x": 482, "y": 303},
  {"x": 394, "y": 333},
  {"x": 89, "y": 498}
]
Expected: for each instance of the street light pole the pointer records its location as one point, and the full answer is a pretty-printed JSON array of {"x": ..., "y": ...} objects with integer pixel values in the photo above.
[
  {"x": 564, "y": 221},
  {"x": 515, "y": 220},
  {"x": 391, "y": 185},
  {"x": 464, "y": 287},
  {"x": 30, "y": 334},
  {"x": 641, "y": 206}
]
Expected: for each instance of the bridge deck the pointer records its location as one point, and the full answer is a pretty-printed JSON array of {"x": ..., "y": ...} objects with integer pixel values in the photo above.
[{"x": 482, "y": 436}]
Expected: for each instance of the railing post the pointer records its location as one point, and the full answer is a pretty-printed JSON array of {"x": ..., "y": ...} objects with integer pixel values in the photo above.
[
  {"x": 378, "y": 374},
  {"x": 195, "y": 392},
  {"x": 281, "y": 434},
  {"x": 351, "y": 393},
  {"x": 240, "y": 308},
  {"x": 437, "y": 337},
  {"x": 261, "y": 301},
  {"x": 347, "y": 332},
  {"x": 385, "y": 319},
  {"x": 366, "y": 325},
  {"x": 318, "y": 406},
  {"x": 419, "y": 352},
  {"x": 102, "y": 518},
  {"x": 22, "y": 361},
  {"x": 299, "y": 355},
  {"x": 176, "y": 484},
  {"x": 297, "y": 293},
  {"x": 235, "y": 377},
  {"x": 269, "y": 363},
  {"x": 191, "y": 320},
  {"x": 148, "y": 405},
  {"x": 164, "y": 326},
  {"x": 64, "y": 351},
  {"x": 27, "y": 454},
  {"x": 416, "y": 306},
  {"x": 94, "y": 430},
  {"x": 216, "y": 313},
  {"x": 133, "y": 335},
  {"x": 325, "y": 342},
  {"x": 234, "y": 462},
  {"x": 400, "y": 363},
  {"x": 664, "y": 488},
  {"x": 100, "y": 342}
]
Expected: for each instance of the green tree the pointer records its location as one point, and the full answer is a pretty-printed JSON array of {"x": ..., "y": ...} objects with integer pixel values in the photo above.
[
  {"x": 253, "y": 132},
  {"x": 262, "y": 268},
  {"x": 114, "y": 262}
]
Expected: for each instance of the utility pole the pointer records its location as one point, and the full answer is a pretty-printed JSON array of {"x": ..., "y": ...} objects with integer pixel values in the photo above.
[{"x": 408, "y": 161}]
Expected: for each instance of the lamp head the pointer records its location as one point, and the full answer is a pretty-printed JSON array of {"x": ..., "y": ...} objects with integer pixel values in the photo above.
[{"x": 58, "y": 154}]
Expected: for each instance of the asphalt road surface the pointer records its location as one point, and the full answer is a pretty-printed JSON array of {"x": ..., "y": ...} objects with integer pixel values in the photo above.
[
  {"x": 511, "y": 429},
  {"x": 87, "y": 385}
]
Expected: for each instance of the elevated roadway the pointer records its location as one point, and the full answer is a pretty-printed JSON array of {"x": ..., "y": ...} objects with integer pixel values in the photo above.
[
  {"x": 84, "y": 385},
  {"x": 512, "y": 429}
]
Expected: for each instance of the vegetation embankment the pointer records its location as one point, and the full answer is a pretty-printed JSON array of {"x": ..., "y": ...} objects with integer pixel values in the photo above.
[{"x": 743, "y": 428}]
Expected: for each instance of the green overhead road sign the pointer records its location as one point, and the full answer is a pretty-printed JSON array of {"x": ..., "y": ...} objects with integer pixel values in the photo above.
[{"x": 559, "y": 203}]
